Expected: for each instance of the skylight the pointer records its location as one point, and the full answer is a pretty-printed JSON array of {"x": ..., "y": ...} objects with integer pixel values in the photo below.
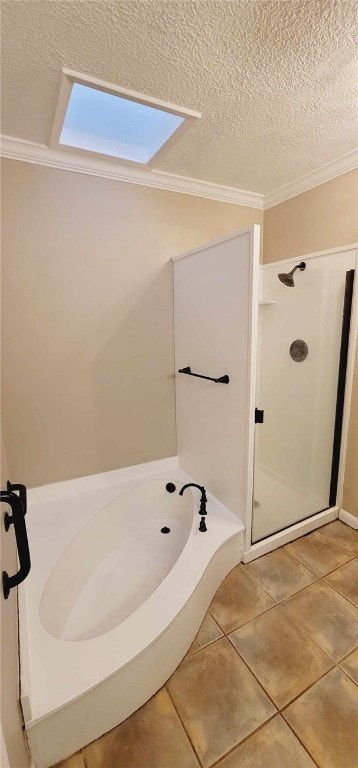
[{"x": 110, "y": 124}]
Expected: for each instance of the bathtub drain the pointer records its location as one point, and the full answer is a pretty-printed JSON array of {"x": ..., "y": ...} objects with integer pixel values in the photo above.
[{"x": 165, "y": 530}]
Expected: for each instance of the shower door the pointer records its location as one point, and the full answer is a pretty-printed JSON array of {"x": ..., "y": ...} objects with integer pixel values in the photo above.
[{"x": 301, "y": 365}]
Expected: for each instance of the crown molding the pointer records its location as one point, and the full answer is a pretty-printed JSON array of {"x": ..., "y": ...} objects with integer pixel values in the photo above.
[
  {"x": 343, "y": 164},
  {"x": 40, "y": 154}
]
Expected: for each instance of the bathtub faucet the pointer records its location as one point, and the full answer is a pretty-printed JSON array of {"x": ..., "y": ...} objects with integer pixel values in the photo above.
[{"x": 203, "y": 500}]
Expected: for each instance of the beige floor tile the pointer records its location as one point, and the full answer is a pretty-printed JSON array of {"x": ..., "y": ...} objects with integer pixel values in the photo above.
[
  {"x": 325, "y": 720},
  {"x": 238, "y": 600},
  {"x": 280, "y": 574},
  {"x": 208, "y": 632},
  {"x": 319, "y": 553},
  {"x": 343, "y": 534},
  {"x": 282, "y": 657},
  {"x": 152, "y": 737},
  {"x": 218, "y": 699},
  {"x": 330, "y": 619},
  {"x": 273, "y": 746},
  {"x": 76, "y": 761},
  {"x": 345, "y": 581},
  {"x": 350, "y": 665}
]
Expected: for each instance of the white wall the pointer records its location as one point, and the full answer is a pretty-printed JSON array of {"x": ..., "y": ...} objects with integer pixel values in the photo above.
[{"x": 212, "y": 319}]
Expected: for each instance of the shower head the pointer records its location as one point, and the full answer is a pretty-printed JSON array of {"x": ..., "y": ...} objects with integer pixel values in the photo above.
[{"x": 287, "y": 277}]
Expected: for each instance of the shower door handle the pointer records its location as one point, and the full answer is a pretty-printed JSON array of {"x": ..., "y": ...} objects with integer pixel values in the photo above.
[{"x": 259, "y": 416}]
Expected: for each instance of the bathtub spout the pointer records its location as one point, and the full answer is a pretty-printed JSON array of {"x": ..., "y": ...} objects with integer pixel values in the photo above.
[{"x": 203, "y": 499}]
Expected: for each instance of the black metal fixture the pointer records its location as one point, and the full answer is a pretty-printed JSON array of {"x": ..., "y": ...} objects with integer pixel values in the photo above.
[
  {"x": 220, "y": 380},
  {"x": 203, "y": 499},
  {"x": 343, "y": 359},
  {"x": 202, "y": 525},
  {"x": 287, "y": 277},
  {"x": 17, "y": 519},
  {"x": 170, "y": 487},
  {"x": 259, "y": 416},
  {"x": 21, "y": 489}
]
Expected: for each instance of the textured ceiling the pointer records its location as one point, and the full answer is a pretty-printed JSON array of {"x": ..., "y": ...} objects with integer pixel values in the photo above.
[{"x": 275, "y": 81}]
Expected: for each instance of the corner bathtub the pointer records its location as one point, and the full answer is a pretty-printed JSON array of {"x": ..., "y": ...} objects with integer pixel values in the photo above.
[{"x": 112, "y": 604}]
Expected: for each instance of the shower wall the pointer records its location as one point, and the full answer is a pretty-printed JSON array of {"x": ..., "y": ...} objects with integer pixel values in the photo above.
[
  {"x": 321, "y": 218},
  {"x": 299, "y": 396},
  {"x": 294, "y": 445},
  {"x": 213, "y": 290}
]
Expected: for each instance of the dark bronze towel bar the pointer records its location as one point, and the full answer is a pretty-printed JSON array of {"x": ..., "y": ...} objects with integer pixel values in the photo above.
[{"x": 221, "y": 380}]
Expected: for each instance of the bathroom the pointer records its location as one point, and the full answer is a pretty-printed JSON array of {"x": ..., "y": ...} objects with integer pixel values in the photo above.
[{"x": 227, "y": 612}]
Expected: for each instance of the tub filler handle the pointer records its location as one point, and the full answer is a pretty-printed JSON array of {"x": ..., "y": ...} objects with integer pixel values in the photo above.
[{"x": 17, "y": 519}]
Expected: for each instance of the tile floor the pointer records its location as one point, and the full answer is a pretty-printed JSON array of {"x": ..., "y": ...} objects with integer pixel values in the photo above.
[{"x": 270, "y": 681}]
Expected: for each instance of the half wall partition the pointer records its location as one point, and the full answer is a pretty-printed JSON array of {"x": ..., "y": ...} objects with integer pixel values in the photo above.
[{"x": 215, "y": 322}]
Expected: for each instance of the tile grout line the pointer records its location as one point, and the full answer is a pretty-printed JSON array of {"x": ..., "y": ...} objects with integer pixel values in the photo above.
[
  {"x": 282, "y": 602},
  {"x": 295, "y": 559},
  {"x": 282, "y": 713},
  {"x": 216, "y": 764},
  {"x": 343, "y": 546},
  {"x": 344, "y": 672},
  {"x": 279, "y": 709},
  {"x": 296, "y": 623},
  {"x": 253, "y": 674},
  {"x": 295, "y": 698},
  {"x": 187, "y": 655},
  {"x": 254, "y": 579},
  {"x": 314, "y": 640},
  {"x": 322, "y": 575},
  {"x": 348, "y": 654},
  {"x": 333, "y": 541},
  {"x": 266, "y": 610},
  {"x": 307, "y": 631},
  {"x": 182, "y": 724},
  {"x": 207, "y": 645},
  {"x": 335, "y": 588},
  {"x": 214, "y": 620},
  {"x": 300, "y": 741},
  {"x": 256, "y": 729}
]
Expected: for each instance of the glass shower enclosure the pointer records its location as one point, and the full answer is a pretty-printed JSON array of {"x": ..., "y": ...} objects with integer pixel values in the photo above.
[{"x": 303, "y": 334}]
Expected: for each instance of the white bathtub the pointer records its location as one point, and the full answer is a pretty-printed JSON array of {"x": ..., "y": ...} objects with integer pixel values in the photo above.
[{"x": 112, "y": 604}]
